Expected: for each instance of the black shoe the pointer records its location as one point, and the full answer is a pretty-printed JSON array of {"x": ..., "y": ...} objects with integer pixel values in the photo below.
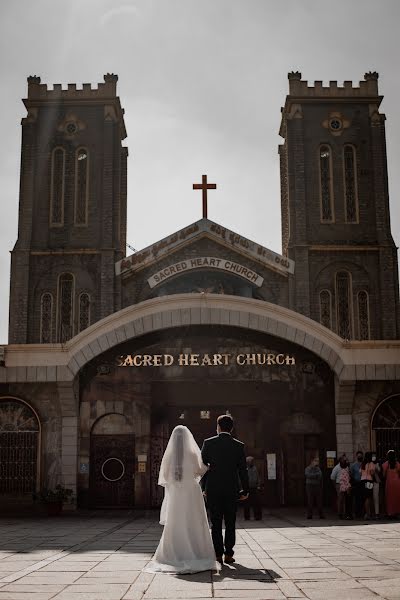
[
  {"x": 229, "y": 559},
  {"x": 219, "y": 559}
]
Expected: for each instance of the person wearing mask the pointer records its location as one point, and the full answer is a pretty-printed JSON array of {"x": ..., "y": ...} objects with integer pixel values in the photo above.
[
  {"x": 377, "y": 486},
  {"x": 341, "y": 477},
  {"x": 253, "y": 500},
  {"x": 313, "y": 475},
  {"x": 391, "y": 472},
  {"x": 357, "y": 486},
  {"x": 367, "y": 479}
]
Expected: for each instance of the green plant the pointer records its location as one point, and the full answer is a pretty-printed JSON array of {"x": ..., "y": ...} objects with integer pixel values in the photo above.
[{"x": 59, "y": 495}]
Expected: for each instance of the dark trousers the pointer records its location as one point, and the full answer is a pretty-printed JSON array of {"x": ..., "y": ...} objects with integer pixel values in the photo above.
[
  {"x": 222, "y": 508},
  {"x": 359, "y": 497},
  {"x": 314, "y": 498},
  {"x": 253, "y": 501}
]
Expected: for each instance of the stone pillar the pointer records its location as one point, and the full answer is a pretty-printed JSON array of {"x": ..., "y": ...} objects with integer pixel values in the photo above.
[
  {"x": 69, "y": 437},
  {"x": 142, "y": 412},
  {"x": 344, "y": 397}
]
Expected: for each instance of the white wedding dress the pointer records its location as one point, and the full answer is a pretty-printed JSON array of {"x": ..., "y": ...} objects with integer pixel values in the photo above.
[{"x": 185, "y": 545}]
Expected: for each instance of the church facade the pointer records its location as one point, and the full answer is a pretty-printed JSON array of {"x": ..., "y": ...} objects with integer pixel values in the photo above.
[{"x": 108, "y": 352}]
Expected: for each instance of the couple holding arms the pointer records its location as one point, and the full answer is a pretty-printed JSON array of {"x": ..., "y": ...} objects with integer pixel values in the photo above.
[{"x": 186, "y": 545}]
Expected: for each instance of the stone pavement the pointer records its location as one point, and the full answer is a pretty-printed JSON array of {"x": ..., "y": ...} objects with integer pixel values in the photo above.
[{"x": 100, "y": 556}]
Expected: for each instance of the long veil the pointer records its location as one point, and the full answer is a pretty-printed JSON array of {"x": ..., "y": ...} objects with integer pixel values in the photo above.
[{"x": 181, "y": 463}]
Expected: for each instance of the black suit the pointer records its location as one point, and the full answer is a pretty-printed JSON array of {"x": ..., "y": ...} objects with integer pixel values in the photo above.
[{"x": 227, "y": 462}]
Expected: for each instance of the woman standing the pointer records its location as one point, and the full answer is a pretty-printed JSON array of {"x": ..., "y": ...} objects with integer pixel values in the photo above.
[
  {"x": 367, "y": 477},
  {"x": 341, "y": 477},
  {"x": 391, "y": 472}
]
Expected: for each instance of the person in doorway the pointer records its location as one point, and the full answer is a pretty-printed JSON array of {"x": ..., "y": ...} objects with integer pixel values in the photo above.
[
  {"x": 357, "y": 486},
  {"x": 313, "y": 475},
  {"x": 391, "y": 472},
  {"x": 367, "y": 471},
  {"x": 253, "y": 501},
  {"x": 226, "y": 460},
  {"x": 341, "y": 477}
]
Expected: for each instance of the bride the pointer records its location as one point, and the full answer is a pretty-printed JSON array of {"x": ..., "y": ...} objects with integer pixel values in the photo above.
[{"x": 185, "y": 545}]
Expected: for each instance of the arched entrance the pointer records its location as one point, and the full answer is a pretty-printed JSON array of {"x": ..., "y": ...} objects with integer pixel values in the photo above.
[
  {"x": 112, "y": 462},
  {"x": 214, "y": 370},
  {"x": 19, "y": 449},
  {"x": 385, "y": 426}
]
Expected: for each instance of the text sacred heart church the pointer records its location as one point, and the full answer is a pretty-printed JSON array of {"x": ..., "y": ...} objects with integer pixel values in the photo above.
[{"x": 108, "y": 352}]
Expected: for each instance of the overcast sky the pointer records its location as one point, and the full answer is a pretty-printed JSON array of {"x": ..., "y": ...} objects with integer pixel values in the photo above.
[{"x": 202, "y": 83}]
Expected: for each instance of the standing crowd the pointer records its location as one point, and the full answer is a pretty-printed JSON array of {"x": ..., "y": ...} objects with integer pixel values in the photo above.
[{"x": 367, "y": 488}]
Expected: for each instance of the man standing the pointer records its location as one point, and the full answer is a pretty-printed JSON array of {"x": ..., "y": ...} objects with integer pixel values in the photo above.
[
  {"x": 313, "y": 475},
  {"x": 357, "y": 486},
  {"x": 227, "y": 465},
  {"x": 253, "y": 500}
]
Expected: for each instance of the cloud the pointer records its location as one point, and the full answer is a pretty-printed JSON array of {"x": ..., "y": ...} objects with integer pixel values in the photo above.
[{"x": 117, "y": 13}]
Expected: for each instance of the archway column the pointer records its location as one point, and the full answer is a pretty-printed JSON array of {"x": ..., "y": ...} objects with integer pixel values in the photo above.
[
  {"x": 344, "y": 399},
  {"x": 69, "y": 438}
]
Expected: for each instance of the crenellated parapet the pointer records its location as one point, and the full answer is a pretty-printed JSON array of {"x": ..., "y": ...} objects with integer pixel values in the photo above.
[
  {"x": 40, "y": 91},
  {"x": 300, "y": 88}
]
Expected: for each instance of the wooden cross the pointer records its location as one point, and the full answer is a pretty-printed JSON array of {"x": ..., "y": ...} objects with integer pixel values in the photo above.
[{"x": 204, "y": 186}]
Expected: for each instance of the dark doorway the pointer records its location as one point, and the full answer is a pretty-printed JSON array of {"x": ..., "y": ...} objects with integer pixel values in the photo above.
[{"x": 112, "y": 468}]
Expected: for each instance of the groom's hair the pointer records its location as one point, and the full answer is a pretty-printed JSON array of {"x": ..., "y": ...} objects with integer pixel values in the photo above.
[{"x": 225, "y": 422}]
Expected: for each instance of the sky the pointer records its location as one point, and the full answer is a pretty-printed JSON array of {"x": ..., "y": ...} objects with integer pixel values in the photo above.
[{"x": 202, "y": 83}]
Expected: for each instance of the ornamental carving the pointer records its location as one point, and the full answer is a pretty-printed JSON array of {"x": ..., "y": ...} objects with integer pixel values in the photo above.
[{"x": 16, "y": 417}]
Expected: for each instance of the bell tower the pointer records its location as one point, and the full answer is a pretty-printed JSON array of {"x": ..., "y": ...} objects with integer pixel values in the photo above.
[
  {"x": 335, "y": 208},
  {"x": 72, "y": 211}
]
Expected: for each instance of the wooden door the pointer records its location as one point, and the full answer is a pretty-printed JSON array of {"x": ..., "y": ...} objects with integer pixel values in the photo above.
[{"x": 112, "y": 470}]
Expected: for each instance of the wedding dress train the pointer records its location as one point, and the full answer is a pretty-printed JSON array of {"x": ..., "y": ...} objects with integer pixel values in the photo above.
[{"x": 185, "y": 545}]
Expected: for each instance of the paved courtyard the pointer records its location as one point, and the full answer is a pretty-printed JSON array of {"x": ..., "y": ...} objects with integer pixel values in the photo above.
[{"x": 100, "y": 557}]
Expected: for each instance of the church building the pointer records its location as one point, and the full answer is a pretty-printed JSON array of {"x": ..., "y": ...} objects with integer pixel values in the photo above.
[{"x": 108, "y": 352}]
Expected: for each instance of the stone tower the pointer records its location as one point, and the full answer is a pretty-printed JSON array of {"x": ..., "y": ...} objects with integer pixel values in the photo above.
[
  {"x": 72, "y": 211},
  {"x": 335, "y": 208}
]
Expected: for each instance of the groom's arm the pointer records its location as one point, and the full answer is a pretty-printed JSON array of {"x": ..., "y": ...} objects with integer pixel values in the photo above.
[{"x": 243, "y": 473}]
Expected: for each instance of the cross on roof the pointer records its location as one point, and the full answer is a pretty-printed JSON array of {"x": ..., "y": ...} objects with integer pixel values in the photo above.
[{"x": 204, "y": 186}]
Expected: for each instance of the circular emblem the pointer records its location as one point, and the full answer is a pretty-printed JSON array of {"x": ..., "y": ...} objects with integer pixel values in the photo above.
[
  {"x": 113, "y": 469},
  {"x": 335, "y": 124},
  {"x": 71, "y": 128}
]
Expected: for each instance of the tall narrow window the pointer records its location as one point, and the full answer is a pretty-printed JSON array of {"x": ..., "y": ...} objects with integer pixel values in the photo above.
[
  {"x": 363, "y": 315},
  {"x": 46, "y": 318},
  {"x": 57, "y": 187},
  {"x": 325, "y": 308},
  {"x": 84, "y": 311},
  {"x": 81, "y": 186},
  {"x": 65, "y": 307},
  {"x": 350, "y": 184},
  {"x": 325, "y": 169},
  {"x": 343, "y": 305}
]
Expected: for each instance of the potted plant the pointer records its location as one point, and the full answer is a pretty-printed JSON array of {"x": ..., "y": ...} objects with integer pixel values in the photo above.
[{"x": 54, "y": 499}]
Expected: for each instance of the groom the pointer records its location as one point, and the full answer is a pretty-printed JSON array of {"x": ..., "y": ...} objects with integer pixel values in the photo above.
[{"x": 227, "y": 461}]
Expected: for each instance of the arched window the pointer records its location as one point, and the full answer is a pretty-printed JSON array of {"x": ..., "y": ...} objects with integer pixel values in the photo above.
[
  {"x": 386, "y": 426},
  {"x": 57, "y": 187},
  {"x": 46, "y": 318},
  {"x": 326, "y": 190},
  {"x": 81, "y": 186},
  {"x": 343, "y": 305},
  {"x": 19, "y": 448},
  {"x": 325, "y": 308},
  {"x": 65, "y": 307},
  {"x": 363, "y": 315},
  {"x": 84, "y": 311},
  {"x": 350, "y": 184}
]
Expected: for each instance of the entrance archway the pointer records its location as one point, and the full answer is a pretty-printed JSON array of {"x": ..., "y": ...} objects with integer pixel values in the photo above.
[
  {"x": 385, "y": 426},
  {"x": 19, "y": 448}
]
